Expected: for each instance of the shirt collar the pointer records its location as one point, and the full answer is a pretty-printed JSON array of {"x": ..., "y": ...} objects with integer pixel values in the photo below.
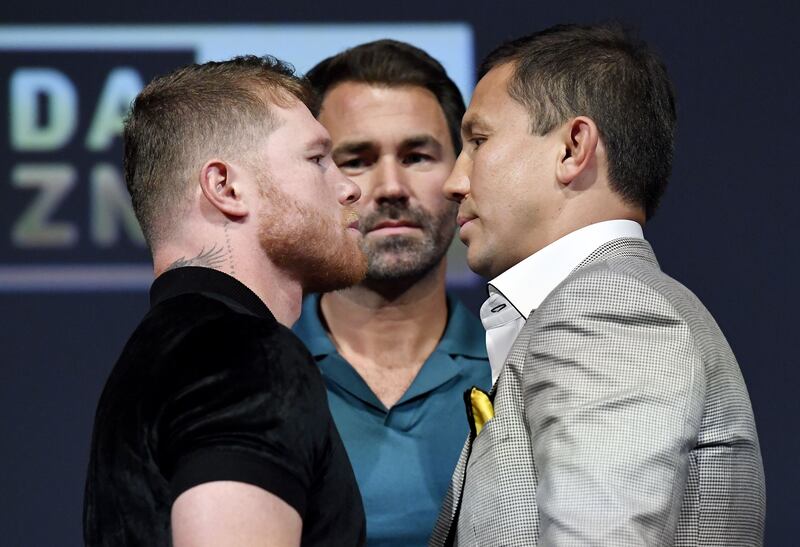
[
  {"x": 528, "y": 283},
  {"x": 196, "y": 279},
  {"x": 311, "y": 331},
  {"x": 462, "y": 335}
]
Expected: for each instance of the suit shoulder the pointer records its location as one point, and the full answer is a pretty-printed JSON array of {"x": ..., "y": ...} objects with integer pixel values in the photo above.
[
  {"x": 613, "y": 282},
  {"x": 635, "y": 287},
  {"x": 632, "y": 278}
]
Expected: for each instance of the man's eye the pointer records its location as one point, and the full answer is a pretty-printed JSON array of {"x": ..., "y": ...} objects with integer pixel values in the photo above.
[
  {"x": 476, "y": 141},
  {"x": 411, "y": 159},
  {"x": 355, "y": 163},
  {"x": 317, "y": 159}
]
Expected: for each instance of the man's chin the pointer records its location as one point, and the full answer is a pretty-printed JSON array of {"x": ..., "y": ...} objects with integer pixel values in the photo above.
[
  {"x": 345, "y": 268},
  {"x": 481, "y": 265},
  {"x": 321, "y": 258}
]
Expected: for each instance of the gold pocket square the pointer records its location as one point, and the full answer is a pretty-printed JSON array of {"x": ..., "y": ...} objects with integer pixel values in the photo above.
[{"x": 479, "y": 409}]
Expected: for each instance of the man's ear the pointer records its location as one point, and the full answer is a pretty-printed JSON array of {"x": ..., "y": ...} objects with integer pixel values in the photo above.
[
  {"x": 219, "y": 188},
  {"x": 579, "y": 139}
]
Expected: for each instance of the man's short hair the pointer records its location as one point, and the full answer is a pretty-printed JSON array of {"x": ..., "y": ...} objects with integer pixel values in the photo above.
[
  {"x": 602, "y": 72},
  {"x": 393, "y": 64},
  {"x": 181, "y": 120}
]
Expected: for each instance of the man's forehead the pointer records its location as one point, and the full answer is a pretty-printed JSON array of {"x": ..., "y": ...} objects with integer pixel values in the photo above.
[
  {"x": 499, "y": 74},
  {"x": 496, "y": 81},
  {"x": 297, "y": 124},
  {"x": 365, "y": 117},
  {"x": 356, "y": 94},
  {"x": 489, "y": 98},
  {"x": 295, "y": 110},
  {"x": 362, "y": 104}
]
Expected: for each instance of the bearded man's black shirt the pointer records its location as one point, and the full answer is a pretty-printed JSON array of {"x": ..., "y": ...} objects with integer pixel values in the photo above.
[{"x": 210, "y": 387}]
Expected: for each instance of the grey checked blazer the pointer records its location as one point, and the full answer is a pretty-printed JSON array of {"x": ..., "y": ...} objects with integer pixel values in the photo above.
[{"x": 621, "y": 418}]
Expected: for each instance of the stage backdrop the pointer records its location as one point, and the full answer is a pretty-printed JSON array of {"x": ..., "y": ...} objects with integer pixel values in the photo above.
[{"x": 74, "y": 270}]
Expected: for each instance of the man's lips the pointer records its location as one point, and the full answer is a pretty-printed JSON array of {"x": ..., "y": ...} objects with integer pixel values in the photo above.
[
  {"x": 393, "y": 226},
  {"x": 351, "y": 220},
  {"x": 463, "y": 220}
]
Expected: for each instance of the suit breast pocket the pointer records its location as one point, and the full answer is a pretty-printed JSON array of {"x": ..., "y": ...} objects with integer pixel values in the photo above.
[
  {"x": 492, "y": 435},
  {"x": 481, "y": 496},
  {"x": 498, "y": 501}
]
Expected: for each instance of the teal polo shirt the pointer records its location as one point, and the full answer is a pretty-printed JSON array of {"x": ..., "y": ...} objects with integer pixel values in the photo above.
[{"x": 403, "y": 457}]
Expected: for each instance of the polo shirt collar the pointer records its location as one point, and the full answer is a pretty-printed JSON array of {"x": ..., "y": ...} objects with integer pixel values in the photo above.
[
  {"x": 528, "y": 283},
  {"x": 461, "y": 337},
  {"x": 309, "y": 328}
]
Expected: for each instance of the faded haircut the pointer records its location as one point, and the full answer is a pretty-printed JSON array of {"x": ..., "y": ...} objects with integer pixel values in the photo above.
[
  {"x": 606, "y": 73},
  {"x": 182, "y": 119}
]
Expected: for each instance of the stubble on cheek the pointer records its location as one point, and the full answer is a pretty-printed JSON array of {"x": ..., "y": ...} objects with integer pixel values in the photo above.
[{"x": 316, "y": 250}]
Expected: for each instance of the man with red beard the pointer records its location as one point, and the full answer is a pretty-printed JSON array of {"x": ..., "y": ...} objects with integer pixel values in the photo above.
[
  {"x": 213, "y": 427},
  {"x": 396, "y": 351}
]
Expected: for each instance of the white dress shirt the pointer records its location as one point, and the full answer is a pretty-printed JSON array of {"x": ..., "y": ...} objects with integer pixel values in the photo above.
[{"x": 515, "y": 293}]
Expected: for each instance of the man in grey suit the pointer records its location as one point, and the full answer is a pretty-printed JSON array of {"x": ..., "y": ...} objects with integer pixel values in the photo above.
[{"x": 619, "y": 416}]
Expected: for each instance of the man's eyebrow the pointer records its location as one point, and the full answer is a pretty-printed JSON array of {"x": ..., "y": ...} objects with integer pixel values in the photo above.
[
  {"x": 320, "y": 142},
  {"x": 352, "y": 147},
  {"x": 472, "y": 122},
  {"x": 421, "y": 141}
]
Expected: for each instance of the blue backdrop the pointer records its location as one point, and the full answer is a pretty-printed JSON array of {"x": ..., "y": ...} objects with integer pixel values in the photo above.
[{"x": 726, "y": 229}]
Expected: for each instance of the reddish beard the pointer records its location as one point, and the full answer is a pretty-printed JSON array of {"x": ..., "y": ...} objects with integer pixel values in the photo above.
[{"x": 322, "y": 254}]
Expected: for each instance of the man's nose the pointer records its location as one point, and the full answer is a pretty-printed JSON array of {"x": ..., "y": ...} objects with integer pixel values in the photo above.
[
  {"x": 456, "y": 187},
  {"x": 390, "y": 183},
  {"x": 348, "y": 192}
]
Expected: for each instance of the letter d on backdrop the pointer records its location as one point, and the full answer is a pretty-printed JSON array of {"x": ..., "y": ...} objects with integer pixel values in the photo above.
[{"x": 27, "y": 133}]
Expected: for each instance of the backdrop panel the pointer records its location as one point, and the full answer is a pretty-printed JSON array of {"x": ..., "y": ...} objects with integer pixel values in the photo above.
[{"x": 73, "y": 270}]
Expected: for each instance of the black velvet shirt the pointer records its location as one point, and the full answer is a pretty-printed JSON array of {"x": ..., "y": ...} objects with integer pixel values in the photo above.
[{"x": 211, "y": 387}]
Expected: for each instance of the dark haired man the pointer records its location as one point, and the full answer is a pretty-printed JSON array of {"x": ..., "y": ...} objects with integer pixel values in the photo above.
[
  {"x": 396, "y": 351},
  {"x": 213, "y": 427},
  {"x": 619, "y": 415}
]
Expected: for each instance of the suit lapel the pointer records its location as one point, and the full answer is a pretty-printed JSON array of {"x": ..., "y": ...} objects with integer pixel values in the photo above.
[
  {"x": 514, "y": 361},
  {"x": 444, "y": 531}
]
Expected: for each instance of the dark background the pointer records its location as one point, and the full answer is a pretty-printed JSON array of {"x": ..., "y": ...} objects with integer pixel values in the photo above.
[{"x": 727, "y": 229}]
